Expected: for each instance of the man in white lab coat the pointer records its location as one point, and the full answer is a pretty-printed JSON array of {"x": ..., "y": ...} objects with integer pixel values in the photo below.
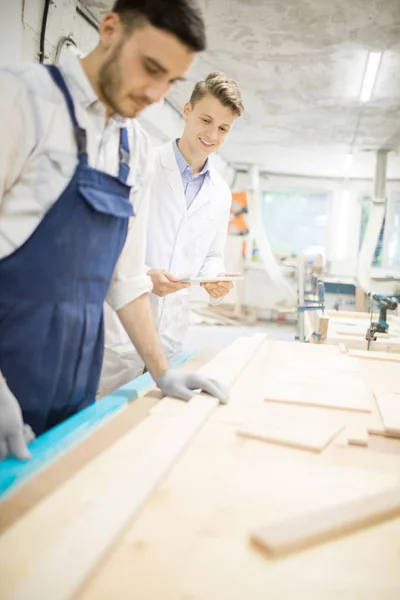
[
  {"x": 73, "y": 172},
  {"x": 187, "y": 227}
]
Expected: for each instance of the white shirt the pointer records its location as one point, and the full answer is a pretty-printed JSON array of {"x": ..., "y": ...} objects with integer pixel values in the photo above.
[{"x": 38, "y": 157}]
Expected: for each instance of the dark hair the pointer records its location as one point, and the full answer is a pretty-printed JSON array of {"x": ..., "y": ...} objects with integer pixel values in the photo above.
[
  {"x": 222, "y": 87},
  {"x": 182, "y": 18}
]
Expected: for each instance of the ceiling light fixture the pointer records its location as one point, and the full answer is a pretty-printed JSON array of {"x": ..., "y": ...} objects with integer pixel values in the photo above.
[{"x": 370, "y": 75}]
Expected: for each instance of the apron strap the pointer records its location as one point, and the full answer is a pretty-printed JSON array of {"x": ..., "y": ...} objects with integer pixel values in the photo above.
[
  {"x": 80, "y": 134},
  {"x": 124, "y": 155}
]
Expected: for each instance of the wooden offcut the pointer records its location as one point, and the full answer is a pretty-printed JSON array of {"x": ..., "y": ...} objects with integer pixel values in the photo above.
[
  {"x": 318, "y": 527},
  {"x": 357, "y": 436}
]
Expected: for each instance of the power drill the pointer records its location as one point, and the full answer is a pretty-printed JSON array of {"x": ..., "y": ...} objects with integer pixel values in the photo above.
[{"x": 385, "y": 303}]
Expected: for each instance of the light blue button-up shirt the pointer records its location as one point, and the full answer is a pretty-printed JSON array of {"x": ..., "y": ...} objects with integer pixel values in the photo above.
[{"x": 192, "y": 184}]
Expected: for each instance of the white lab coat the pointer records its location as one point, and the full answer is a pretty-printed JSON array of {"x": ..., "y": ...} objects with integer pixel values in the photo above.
[{"x": 181, "y": 241}]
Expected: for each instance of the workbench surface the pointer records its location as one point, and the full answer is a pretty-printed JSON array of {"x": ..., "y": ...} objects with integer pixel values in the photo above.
[{"x": 191, "y": 539}]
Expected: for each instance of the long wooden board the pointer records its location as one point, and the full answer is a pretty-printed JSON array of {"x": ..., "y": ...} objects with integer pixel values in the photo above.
[
  {"x": 382, "y": 356},
  {"x": 313, "y": 528},
  {"x": 60, "y": 571},
  {"x": 29, "y": 495}
]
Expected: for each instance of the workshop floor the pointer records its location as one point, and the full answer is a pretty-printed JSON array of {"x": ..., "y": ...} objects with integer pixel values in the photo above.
[{"x": 219, "y": 336}]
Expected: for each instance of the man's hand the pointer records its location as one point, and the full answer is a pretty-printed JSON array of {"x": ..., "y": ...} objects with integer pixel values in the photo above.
[
  {"x": 165, "y": 283},
  {"x": 218, "y": 289},
  {"x": 13, "y": 433},
  {"x": 182, "y": 385}
]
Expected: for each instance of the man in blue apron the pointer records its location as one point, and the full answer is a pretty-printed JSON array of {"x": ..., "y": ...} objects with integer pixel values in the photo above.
[{"x": 73, "y": 172}]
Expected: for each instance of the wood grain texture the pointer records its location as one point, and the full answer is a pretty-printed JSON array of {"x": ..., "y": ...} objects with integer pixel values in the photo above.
[
  {"x": 76, "y": 551},
  {"x": 31, "y": 493},
  {"x": 313, "y": 528}
]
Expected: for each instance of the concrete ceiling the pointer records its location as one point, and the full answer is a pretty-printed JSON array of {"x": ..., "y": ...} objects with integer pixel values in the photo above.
[{"x": 300, "y": 65}]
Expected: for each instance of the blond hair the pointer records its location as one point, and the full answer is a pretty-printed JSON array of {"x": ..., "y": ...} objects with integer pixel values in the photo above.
[{"x": 222, "y": 87}]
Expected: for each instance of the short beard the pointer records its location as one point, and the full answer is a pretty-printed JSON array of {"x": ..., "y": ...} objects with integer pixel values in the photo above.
[{"x": 110, "y": 82}]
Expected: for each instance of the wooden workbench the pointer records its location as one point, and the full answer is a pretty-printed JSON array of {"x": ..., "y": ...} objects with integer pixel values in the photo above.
[
  {"x": 191, "y": 539},
  {"x": 350, "y": 328}
]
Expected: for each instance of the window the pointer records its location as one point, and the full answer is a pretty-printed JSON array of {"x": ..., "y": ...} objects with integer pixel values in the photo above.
[
  {"x": 393, "y": 234},
  {"x": 295, "y": 221},
  {"x": 366, "y": 203},
  {"x": 387, "y": 251}
]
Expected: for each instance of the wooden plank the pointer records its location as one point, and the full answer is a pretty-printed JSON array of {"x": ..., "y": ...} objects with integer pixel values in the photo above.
[
  {"x": 304, "y": 435},
  {"x": 372, "y": 355},
  {"x": 389, "y": 408},
  {"x": 76, "y": 553},
  {"x": 315, "y": 528},
  {"x": 292, "y": 392},
  {"x": 77, "y": 550},
  {"x": 302, "y": 374},
  {"x": 27, "y": 496}
]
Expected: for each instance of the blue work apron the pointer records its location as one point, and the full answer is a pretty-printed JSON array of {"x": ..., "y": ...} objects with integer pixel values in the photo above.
[{"x": 53, "y": 287}]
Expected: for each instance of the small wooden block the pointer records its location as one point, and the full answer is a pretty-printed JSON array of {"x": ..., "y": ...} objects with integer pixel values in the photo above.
[
  {"x": 342, "y": 348},
  {"x": 389, "y": 408},
  {"x": 314, "y": 528},
  {"x": 357, "y": 436},
  {"x": 307, "y": 436}
]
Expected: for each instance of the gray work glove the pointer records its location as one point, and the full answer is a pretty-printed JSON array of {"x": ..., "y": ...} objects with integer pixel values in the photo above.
[
  {"x": 13, "y": 433},
  {"x": 182, "y": 385}
]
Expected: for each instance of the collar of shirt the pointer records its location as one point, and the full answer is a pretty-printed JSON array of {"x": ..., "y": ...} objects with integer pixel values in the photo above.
[
  {"x": 183, "y": 165},
  {"x": 81, "y": 87}
]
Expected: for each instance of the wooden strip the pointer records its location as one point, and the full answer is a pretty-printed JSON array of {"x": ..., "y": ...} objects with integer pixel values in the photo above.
[
  {"x": 382, "y": 431},
  {"x": 357, "y": 436},
  {"x": 381, "y": 356},
  {"x": 307, "y": 436},
  {"x": 389, "y": 408},
  {"x": 71, "y": 559},
  {"x": 315, "y": 528},
  {"x": 296, "y": 396},
  {"x": 27, "y": 496}
]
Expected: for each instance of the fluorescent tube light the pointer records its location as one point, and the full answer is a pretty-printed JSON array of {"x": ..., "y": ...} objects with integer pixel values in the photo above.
[{"x": 370, "y": 75}]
